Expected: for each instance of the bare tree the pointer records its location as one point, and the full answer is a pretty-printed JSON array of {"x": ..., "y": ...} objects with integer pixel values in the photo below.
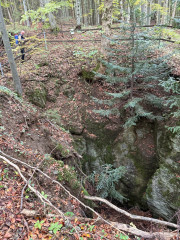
[{"x": 9, "y": 53}]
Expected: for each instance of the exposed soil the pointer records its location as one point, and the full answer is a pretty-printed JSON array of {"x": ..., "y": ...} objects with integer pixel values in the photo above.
[{"x": 28, "y": 134}]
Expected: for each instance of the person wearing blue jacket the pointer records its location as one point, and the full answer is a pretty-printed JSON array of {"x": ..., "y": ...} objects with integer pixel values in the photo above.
[{"x": 22, "y": 38}]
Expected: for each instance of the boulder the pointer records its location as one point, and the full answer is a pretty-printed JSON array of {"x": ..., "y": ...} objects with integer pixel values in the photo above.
[
  {"x": 163, "y": 192},
  {"x": 135, "y": 149}
]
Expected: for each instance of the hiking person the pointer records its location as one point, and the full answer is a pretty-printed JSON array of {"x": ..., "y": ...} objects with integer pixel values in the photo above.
[
  {"x": 16, "y": 39},
  {"x": 22, "y": 42}
]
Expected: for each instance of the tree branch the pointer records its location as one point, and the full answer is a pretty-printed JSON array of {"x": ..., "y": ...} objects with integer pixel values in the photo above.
[
  {"x": 153, "y": 220},
  {"x": 124, "y": 227},
  {"x": 118, "y": 226},
  {"x": 54, "y": 181},
  {"x": 37, "y": 193}
]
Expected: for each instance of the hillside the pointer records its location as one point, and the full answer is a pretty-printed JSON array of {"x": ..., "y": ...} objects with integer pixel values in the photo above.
[{"x": 45, "y": 132}]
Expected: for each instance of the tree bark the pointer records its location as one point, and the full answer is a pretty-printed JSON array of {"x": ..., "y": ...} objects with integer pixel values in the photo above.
[
  {"x": 9, "y": 53},
  {"x": 106, "y": 25},
  {"x": 174, "y": 11},
  {"x": 158, "y": 17},
  {"x": 149, "y": 3},
  {"x": 25, "y": 11},
  {"x": 78, "y": 12}
]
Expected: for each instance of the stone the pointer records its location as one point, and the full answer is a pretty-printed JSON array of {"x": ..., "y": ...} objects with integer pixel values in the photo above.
[
  {"x": 38, "y": 96},
  {"x": 163, "y": 192}
]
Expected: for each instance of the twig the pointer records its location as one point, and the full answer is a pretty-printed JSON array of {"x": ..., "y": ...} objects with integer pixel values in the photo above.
[
  {"x": 131, "y": 215},
  {"x": 28, "y": 182},
  {"x": 123, "y": 227},
  {"x": 68, "y": 192},
  {"x": 118, "y": 226},
  {"x": 37, "y": 193},
  {"x": 26, "y": 224}
]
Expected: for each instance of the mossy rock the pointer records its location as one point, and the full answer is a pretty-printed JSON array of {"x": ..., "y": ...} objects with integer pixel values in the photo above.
[
  {"x": 79, "y": 144},
  {"x": 98, "y": 149},
  {"x": 64, "y": 151},
  {"x": 163, "y": 193},
  {"x": 75, "y": 128},
  {"x": 38, "y": 97},
  {"x": 53, "y": 115}
]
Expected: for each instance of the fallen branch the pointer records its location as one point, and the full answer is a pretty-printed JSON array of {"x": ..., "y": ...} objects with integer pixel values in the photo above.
[
  {"x": 118, "y": 226},
  {"x": 146, "y": 235},
  {"x": 37, "y": 193},
  {"x": 124, "y": 227},
  {"x": 153, "y": 220},
  {"x": 54, "y": 181}
]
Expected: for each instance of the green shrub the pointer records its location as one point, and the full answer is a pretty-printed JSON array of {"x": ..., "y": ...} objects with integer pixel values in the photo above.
[{"x": 105, "y": 180}]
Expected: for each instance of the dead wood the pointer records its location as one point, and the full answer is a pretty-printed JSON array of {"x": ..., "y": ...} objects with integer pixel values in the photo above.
[
  {"x": 123, "y": 227},
  {"x": 153, "y": 220}
]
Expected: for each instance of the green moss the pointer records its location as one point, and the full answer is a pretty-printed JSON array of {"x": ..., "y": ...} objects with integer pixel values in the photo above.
[
  {"x": 68, "y": 175},
  {"x": 149, "y": 189},
  {"x": 63, "y": 150},
  {"x": 53, "y": 115},
  {"x": 38, "y": 96},
  {"x": 43, "y": 63},
  {"x": 55, "y": 30},
  {"x": 99, "y": 149},
  {"x": 87, "y": 158}
]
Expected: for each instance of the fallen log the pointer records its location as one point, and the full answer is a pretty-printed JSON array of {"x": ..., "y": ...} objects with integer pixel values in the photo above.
[{"x": 135, "y": 217}]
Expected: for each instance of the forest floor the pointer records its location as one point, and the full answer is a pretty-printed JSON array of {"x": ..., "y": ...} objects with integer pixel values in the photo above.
[{"x": 28, "y": 134}]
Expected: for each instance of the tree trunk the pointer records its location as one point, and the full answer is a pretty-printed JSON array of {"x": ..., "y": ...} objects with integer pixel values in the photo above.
[
  {"x": 165, "y": 12},
  {"x": 78, "y": 12},
  {"x": 52, "y": 20},
  {"x": 121, "y": 9},
  {"x": 128, "y": 14},
  {"x": 106, "y": 24},
  {"x": 9, "y": 53},
  {"x": 133, "y": 51},
  {"x": 174, "y": 11},
  {"x": 158, "y": 17},
  {"x": 149, "y": 3},
  {"x": 25, "y": 11}
]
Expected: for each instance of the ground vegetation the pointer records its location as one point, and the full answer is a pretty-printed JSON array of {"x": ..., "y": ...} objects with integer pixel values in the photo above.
[{"x": 42, "y": 182}]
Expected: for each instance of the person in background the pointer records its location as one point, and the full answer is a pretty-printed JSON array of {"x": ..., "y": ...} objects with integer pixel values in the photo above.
[
  {"x": 16, "y": 39},
  {"x": 22, "y": 42}
]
